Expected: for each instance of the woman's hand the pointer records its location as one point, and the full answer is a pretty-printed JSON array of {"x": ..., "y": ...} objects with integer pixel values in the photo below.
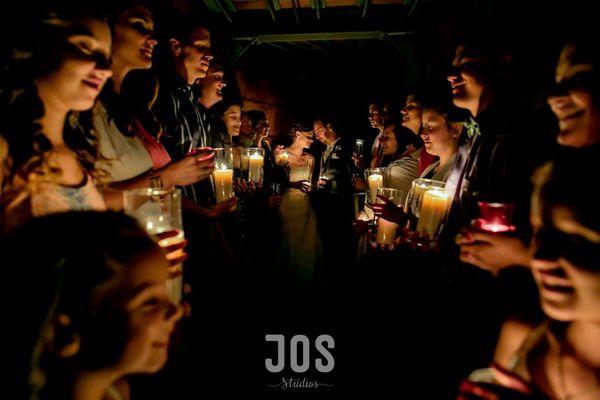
[
  {"x": 389, "y": 211},
  {"x": 188, "y": 170},
  {"x": 378, "y": 246},
  {"x": 241, "y": 186},
  {"x": 224, "y": 207},
  {"x": 416, "y": 240},
  {"x": 492, "y": 251},
  {"x": 302, "y": 185},
  {"x": 176, "y": 254},
  {"x": 359, "y": 161}
]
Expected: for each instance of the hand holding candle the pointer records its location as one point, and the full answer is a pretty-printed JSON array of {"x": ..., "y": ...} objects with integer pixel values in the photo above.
[
  {"x": 386, "y": 230},
  {"x": 159, "y": 212}
]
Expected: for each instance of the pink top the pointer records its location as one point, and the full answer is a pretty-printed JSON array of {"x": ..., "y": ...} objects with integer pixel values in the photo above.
[
  {"x": 155, "y": 149},
  {"x": 425, "y": 160}
]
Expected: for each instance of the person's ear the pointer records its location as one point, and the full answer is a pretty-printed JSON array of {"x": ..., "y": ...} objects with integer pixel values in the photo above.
[
  {"x": 456, "y": 128},
  {"x": 175, "y": 47},
  {"x": 64, "y": 340}
]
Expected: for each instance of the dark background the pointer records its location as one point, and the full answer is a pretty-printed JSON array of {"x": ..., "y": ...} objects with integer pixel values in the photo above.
[{"x": 384, "y": 344}]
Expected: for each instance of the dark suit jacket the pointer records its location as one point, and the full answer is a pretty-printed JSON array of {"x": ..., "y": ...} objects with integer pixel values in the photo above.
[
  {"x": 335, "y": 166},
  {"x": 334, "y": 201}
]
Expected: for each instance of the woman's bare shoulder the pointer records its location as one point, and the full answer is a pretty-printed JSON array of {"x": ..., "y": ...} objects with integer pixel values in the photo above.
[{"x": 512, "y": 336}]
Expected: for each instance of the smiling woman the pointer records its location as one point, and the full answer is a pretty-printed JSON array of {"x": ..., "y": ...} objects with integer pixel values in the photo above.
[
  {"x": 560, "y": 358},
  {"x": 59, "y": 66},
  {"x": 573, "y": 98}
]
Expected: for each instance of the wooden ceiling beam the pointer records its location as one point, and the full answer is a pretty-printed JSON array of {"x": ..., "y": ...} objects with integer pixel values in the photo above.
[{"x": 287, "y": 4}]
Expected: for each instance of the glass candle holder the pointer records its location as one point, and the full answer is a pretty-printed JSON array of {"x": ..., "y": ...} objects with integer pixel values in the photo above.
[
  {"x": 159, "y": 211},
  {"x": 253, "y": 161},
  {"x": 415, "y": 195},
  {"x": 375, "y": 180},
  {"x": 359, "y": 146},
  {"x": 223, "y": 174},
  {"x": 386, "y": 230},
  {"x": 435, "y": 205},
  {"x": 495, "y": 217},
  {"x": 361, "y": 212}
]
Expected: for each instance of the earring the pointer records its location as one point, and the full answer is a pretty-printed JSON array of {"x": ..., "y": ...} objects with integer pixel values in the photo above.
[{"x": 65, "y": 341}]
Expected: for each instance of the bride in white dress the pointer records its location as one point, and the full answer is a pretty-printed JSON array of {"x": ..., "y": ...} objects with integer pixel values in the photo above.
[{"x": 301, "y": 244}]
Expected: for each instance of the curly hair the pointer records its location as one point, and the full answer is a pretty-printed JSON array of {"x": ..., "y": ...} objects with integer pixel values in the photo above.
[{"x": 26, "y": 150}]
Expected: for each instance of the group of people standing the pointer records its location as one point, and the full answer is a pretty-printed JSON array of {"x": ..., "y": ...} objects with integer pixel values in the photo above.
[{"x": 97, "y": 101}]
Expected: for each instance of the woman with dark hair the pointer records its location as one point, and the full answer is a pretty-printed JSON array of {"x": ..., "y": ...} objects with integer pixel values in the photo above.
[
  {"x": 97, "y": 311},
  {"x": 139, "y": 92},
  {"x": 397, "y": 147},
  {"x": 441, "y": 132},
  {"x": 254, "y": 124},
  {"x": 58, "y": 67},
  {"x": 229, "y": 112},
  {"x": 559, "y": 358},
  {"x": 412, "y": 118},
  {"x": 125, "y": 156},
  {"x": 397, "y": 151}
]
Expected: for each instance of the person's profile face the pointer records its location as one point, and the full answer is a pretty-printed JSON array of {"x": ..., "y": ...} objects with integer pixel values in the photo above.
[
  {"x": 437, "y": 136},
  {"x": 246, "y": 126},
  {"x": 376, "y": 116},
  {"x": 151, "y": 315},
  {"x": 196, "y": 54},
  {"x": 572, "y": 101},
  {"x": 233, "y": 119},
  {"x": 133, "y": 38},
  {"x": 566, "y": 266},
  {"x": 468, "y": 78},
  {"x": 305, "y": 138},
  {"x": 213, "y": 83},
  {"x": 320, "y": 131},
  {"x": 85, "y": 68},
  {"x": 411, "y": 114},
  {"x": 389, "y": 145}
]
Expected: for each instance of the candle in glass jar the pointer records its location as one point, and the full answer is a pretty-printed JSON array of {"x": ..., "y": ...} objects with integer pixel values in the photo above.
[
  {"x": 223, "y": 184},
  {"x": 495, "y": 217},
  {"x": 386, "y": 231},
  {"x": 375, "y": 182},
  {"x": 255, "y": 167},
  {"x": 434, "y": 206}
]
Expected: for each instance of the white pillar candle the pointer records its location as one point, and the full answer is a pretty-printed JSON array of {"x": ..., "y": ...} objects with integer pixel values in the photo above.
[
  {"x": 434, "y": 207},
  {"x": 375, "y": 182},
  {"x": 386, "y": 231},
  {"x": 223, "y": 184},
  {"x": 255, "y": 167}
]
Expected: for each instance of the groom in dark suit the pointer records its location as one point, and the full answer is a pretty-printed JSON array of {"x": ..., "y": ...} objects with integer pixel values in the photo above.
[{"x": 333, "y": 202}]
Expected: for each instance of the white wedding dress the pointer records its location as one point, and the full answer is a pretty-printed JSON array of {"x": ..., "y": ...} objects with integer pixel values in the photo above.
[{"x": 301, "y": 244}]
